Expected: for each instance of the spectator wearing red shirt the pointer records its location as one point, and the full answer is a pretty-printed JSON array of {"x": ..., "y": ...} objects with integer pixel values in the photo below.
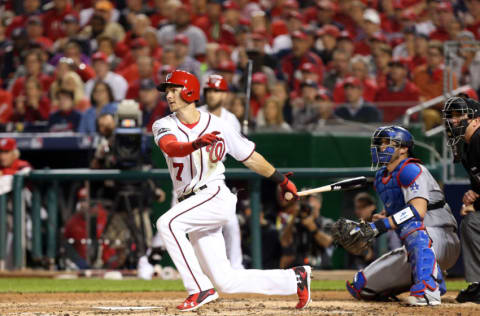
[
  {"x": 231, "y": 20},
  {"x": 34, "y": 29},
  {"x": 30, "y": 7},
  {"x": 300, "y": 54},
  {"x": 399, "y": 93},
  {"x": 443, "y": 19},
  {"x": 260, "y": 92},
  {"x": 338, "y": 69},
  {"x": 6, "y": 108},
  {"x": 429, "y": 80},
  {"x": 146, "y": 68},
  {"x": 381, "y": 58},
  {"x": 138, "y": 47},
  {"x": 33, "y": 105},
  {"x": 327, "y": 35},
  {"x": 210, "y": 22},
  {"x": 325, "y": 14},
  {"x": 474, "y": 12},
  {"x": 52, "y": 19},
  {"x": 10, "y": 162},
  {"x": 372, "y": 33},
  {"x": 359, "y": 69},
  {"x": 33, "y": 67},
  {"x": 421, "y": 50}
]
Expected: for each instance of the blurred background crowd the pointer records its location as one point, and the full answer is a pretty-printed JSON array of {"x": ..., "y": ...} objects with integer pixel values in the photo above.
[
  {"x": 64, "y": 62},
  {"x": 67, "y": 65}
]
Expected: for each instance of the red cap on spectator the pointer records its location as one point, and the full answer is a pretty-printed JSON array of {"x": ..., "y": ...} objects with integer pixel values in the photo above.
[
  {"x": 139, "y": 42},
  {"x": 352, "y": 81},
  {"x": 308, "y": 67},
  {"x": 225, "y": 48},
  {"x": 8, "y": 144},
  {"x": 227, "y": 66},
  {"x": 279, "y": 27},
  {"x": 299, "y": 35},
  {"x": 181, "y": 38},
  {"x": 398, "y": 4},
  {"x": 295, "y": 15},
  {"x": 100, "y": 56},
  {"x": 444, "y": 6},
  {"x": 259, "y": 77},
  {"x": 345, "y": 34},
  {"x": 291, "y": 4},
  {"x": 329, "y": 29},
  {"x": 326, "y": 5},
  {"x": 230, "y": 5}
]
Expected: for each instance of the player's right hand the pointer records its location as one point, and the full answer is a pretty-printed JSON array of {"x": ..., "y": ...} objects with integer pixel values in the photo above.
[
  {"x": 207, "y": 139},
  {"x": 470, "y": 197}
]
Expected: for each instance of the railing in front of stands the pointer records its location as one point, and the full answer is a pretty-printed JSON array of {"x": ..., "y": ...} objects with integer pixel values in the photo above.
[{"x": 51, "y": 179}]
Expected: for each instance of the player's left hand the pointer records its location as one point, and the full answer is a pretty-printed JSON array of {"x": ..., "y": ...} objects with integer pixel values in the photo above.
[
  {"x": 288, "y": 186},
  {"x": 207, "y": 139}
]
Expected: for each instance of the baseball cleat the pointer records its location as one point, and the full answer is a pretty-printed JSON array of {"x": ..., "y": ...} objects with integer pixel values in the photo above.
[
  {"x": 303, "y": 275},
  {"x": 470, "y": 294},
  {"x": 196, "y": 300},
  {"x": 429, "y": 298}
]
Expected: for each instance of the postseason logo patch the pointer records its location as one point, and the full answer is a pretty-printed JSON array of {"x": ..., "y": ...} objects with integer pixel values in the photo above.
[
  {"x": 163, "y": 131},
  {"x": 414, "y": 187}
]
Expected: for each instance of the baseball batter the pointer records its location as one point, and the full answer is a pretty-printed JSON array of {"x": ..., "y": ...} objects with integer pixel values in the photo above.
[
  {"x": 215, "y": 93},
  {"x": 194, "y": 143},
  {"x": 416, "y": 209}
]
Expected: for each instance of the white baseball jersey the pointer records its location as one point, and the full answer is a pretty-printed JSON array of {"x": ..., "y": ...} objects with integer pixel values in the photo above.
[
  {"x": 227, "y": 116},
  {"x": 204, "y": 165}
]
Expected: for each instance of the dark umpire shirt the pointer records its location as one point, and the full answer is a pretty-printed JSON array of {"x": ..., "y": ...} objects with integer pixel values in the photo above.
[{"x": 471, "y": 163}]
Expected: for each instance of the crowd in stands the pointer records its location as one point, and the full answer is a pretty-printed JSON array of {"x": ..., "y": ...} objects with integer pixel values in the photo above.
[{"x": 65, "y": 62}]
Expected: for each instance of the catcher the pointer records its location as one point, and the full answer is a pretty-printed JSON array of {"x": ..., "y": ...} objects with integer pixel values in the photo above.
[{"x": 415, "y": 207}]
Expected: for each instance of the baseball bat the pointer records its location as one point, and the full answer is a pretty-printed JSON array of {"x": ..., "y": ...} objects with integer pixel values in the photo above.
[
  {"x": 347, "y": 184},
  {"x": 247, "y": 97}
]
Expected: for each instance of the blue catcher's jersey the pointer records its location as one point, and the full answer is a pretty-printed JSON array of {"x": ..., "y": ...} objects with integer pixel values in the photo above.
[{"x": 389, "y": 187}]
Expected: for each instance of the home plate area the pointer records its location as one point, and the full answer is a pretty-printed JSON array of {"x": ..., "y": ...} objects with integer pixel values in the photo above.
[{"x": 164, "y": 303}]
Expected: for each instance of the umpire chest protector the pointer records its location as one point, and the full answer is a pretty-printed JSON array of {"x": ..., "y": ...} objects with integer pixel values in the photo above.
[{"x": 389, "y": 186}]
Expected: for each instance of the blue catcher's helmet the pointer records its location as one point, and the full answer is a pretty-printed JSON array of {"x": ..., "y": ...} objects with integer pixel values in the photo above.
[{"x": 391, "y": 136}]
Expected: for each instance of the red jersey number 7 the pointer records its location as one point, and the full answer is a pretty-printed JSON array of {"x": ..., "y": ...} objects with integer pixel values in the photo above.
[{"x": 178, "y": 165}]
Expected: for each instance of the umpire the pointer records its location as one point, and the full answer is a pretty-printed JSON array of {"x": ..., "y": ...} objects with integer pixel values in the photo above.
[{"x": 462, "y": 121}]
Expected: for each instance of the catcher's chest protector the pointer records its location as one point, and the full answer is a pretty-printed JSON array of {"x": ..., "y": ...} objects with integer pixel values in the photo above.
[{"x": 389, "y": 188}]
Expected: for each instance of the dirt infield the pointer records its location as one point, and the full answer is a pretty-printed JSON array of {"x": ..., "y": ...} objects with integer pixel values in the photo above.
[{"x": 324, "y": 303}]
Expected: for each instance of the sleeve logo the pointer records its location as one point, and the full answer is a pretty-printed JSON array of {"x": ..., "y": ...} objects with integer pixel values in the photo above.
[
  {"x": 163, "y": 131},
  {"x": 414, "y": 187}
]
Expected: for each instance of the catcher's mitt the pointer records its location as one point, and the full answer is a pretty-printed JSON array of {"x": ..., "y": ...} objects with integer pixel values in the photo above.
[{"x": 353, "y": 236}]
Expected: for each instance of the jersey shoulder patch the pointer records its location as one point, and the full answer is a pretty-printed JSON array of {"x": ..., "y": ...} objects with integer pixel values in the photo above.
[{"x": 408, "y": 174}]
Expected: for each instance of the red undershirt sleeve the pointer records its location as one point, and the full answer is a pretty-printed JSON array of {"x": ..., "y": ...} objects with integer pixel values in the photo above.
[{"x": 173, "y": 148}]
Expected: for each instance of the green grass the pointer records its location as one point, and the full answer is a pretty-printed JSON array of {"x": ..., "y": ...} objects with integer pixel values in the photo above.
[{"x": 32, "y": 285}]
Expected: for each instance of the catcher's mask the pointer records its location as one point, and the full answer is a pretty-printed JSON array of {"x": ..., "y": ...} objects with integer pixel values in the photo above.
[
  {"x": 457, "y": 112},
  {"x": 390, "y": 138}
]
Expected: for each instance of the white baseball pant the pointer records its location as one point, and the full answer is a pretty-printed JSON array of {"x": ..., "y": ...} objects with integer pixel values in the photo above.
[{"x": 202, "y": 262}]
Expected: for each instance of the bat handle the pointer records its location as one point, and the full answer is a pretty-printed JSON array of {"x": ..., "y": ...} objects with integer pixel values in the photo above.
[{"x": 325, "y": 188}]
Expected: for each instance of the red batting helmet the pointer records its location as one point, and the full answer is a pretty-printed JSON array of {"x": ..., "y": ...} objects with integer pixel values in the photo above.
[
  {"x": 216, "y": 82},
  {"x": 191, "y": 87}
]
